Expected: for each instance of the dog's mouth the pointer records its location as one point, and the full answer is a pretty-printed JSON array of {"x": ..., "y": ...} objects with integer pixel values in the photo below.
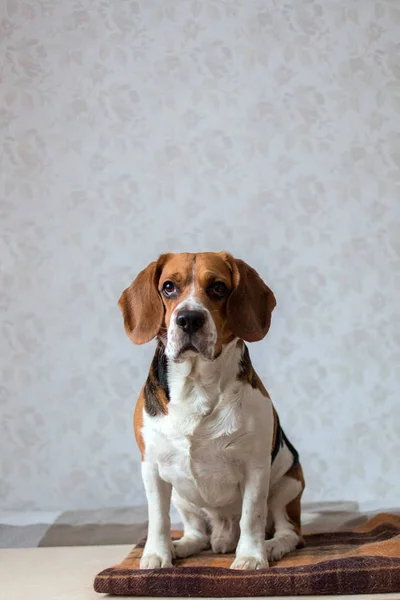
[
  {"x": 192, "y": 351},
  {"x": 181, "y": 346},
  {"x": 188, "y": 350}
]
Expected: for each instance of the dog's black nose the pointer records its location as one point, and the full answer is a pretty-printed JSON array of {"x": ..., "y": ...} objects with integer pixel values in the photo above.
[{"x": 190, "y": 320}]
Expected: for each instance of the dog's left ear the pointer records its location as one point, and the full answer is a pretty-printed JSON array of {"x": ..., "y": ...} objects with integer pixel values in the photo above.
[
  {"x": 141, "y": 304},
  {"x": 250, "y": 304}
]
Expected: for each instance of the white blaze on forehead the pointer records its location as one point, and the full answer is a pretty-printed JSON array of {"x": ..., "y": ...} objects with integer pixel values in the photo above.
[
  {"x": 191, "y": 301},
  {"x": 204, "y": 339}
]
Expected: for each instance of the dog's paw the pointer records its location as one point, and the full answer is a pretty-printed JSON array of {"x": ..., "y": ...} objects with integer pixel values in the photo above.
[
  {"x": 278, "y": 547},
  {"x": 187, "y": 546},
  {"x": 155, "y": 561},
  {"x": 250, "y": 563},
  {"x": 275, "y": 549}
]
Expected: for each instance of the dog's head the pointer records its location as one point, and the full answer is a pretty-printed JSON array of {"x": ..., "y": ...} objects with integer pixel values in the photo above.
[{"x": 197, "y": 303}]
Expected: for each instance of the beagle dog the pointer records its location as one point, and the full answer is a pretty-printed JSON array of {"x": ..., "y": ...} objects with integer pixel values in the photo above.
[{"x": 207, "y": 430}]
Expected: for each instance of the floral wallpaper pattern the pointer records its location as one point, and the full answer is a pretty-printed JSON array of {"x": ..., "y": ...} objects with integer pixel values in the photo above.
[{"x": 129, "y": 128}]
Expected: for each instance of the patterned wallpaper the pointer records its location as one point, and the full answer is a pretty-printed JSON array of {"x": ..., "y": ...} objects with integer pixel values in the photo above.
[{"x": 269, "y": 129}]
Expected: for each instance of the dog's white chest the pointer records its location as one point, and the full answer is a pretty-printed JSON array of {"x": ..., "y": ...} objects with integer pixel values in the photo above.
[
  {"x": 201, "y": 450},
  {"x": 202, "y": 470},
  {"x": 196, "y": 453}
]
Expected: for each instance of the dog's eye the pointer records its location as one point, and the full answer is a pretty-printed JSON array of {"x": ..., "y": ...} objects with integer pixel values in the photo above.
[
  {"x": 168, "y": 288},
  {"x": 218, "y": 289}
]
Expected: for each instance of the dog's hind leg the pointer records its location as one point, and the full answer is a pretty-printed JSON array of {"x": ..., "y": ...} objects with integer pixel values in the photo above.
[
  {"x": 196, "y": 536},
  {"x": 284, "y": 510}
]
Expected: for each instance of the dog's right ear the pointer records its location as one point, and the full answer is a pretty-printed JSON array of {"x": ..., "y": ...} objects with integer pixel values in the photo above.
[
  {"x": 251, "y": 302},
  {"x": 141, "y": 304}
]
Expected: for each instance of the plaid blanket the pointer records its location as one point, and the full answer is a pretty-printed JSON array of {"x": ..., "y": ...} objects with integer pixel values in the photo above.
[{"x": 360, "y": 559}]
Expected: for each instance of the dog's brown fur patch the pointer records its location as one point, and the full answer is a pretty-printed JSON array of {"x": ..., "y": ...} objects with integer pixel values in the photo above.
[
  {"x": 138, "y": 422},
  {"x": 293, "y": 509},
  {"x": 247, "y": 373}
]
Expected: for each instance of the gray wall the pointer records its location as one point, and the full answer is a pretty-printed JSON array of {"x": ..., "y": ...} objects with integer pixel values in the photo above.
[{"x": 264, "y": 128}]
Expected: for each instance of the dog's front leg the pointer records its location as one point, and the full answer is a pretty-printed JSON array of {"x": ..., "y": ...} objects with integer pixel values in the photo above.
[
  {"x": 251, "y": 549},
  {"x": 158, "y": 549}
]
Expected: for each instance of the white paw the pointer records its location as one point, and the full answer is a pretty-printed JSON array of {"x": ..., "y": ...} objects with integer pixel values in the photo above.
[
  {"x": 222, "y": 545},
  {"x": 277, "y": 548},
  {"x": 250, "y": 563},
  {"x": 187, "y": 546},
  {"x": 155, "y": 561}
]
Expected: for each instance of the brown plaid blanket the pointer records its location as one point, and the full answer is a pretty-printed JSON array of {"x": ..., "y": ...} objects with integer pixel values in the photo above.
[{"x": 358, "y": 560}]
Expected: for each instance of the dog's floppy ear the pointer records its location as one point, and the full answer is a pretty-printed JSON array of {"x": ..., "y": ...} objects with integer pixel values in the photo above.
[
  {"x": 250, "y": 304},
  {"x": 141, "y": 304}
]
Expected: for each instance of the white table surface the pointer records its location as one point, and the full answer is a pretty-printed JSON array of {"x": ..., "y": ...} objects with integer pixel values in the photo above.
[{"x": 67, "y": 574}]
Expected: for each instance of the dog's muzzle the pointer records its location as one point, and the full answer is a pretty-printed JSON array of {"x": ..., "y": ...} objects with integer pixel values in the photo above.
[{"x": 191, "y": 334}]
